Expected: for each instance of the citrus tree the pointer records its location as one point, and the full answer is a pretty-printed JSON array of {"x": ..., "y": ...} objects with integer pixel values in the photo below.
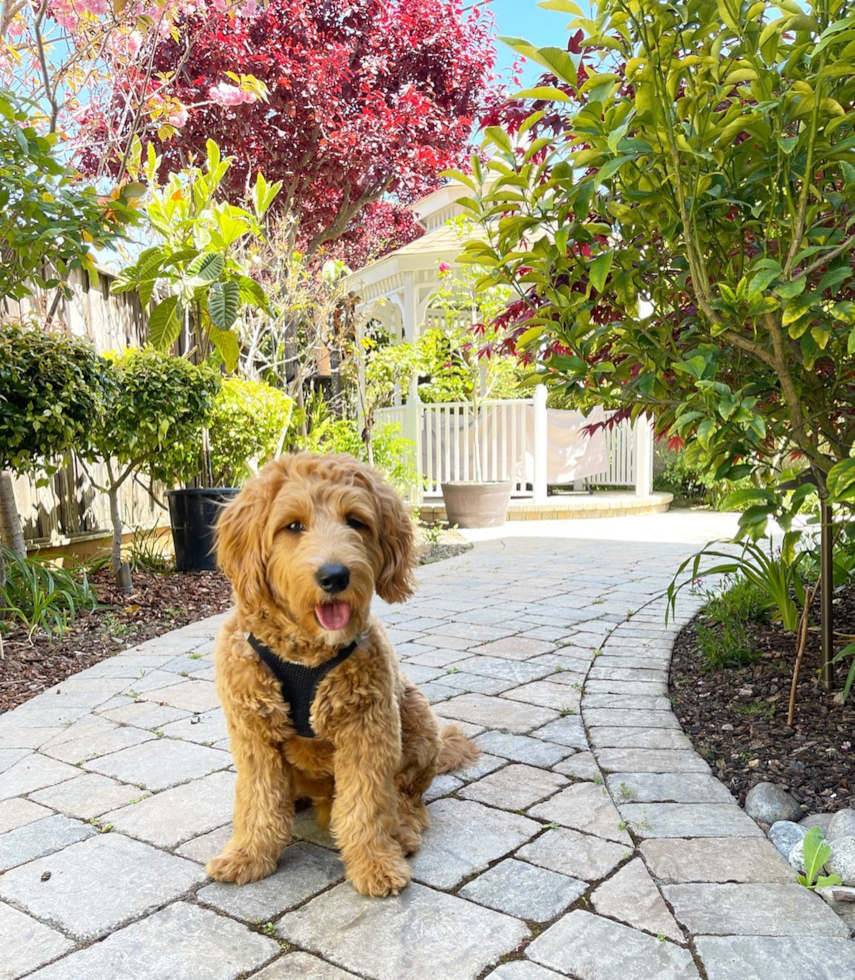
[{"x": 674, "y": 207}]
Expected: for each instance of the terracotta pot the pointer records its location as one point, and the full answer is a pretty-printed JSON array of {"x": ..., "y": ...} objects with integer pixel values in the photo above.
[{"x": 470, "y": 504}]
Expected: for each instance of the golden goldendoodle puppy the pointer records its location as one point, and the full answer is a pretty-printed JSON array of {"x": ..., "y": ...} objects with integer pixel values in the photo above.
[{"x": 316, "y": 705}]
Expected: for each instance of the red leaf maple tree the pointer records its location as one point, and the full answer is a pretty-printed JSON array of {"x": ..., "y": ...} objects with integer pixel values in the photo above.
[{"x": 369, "y": 101}]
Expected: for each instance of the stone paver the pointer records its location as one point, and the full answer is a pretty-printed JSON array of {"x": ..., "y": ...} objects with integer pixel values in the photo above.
[
  {"x": 420, "y": 933},
  {"x": 34, "y": 840},
  {"x": 26, "y": 943},
  {"x": 525, "y": 891},
  {"x": 516, "y": 787},
  {"x": 588, "y": 807},
  {"x": 592, "y": 948},
  {"x": 168, "y": 944},
  {"x": 98, "y": 884}
]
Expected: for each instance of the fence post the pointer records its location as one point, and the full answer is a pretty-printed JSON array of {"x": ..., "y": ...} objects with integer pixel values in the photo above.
[
  {"x": 643, "y": 432},
  {"x": 413, "y": 412},
  {"x": 541, "y": 445}
]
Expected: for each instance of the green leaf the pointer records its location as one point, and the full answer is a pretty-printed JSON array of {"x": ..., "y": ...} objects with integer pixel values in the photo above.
[
  {"x": 562, "y": 6},
  {"x": 227, "y": 346},
  {"x": 600, "y": 268},
  {"x": 840, "y": 481},
  {"x": 164, "y": 324},
  {"x": 498, "y": 136},
  {"x": 543, "y": 93},
  {"x": 206, "y": 268},
  {"x": 223, "y": 304}
]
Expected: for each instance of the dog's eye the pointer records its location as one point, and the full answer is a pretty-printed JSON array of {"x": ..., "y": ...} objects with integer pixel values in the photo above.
[
  {"x": 356, "y": 524},
  {"x": 295, "y": 527}
]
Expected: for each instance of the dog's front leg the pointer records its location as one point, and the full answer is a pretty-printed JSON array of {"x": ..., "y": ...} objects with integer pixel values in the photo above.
[
  {"x": 263, "y": 814},
  {"x": 364, "y": 811}
]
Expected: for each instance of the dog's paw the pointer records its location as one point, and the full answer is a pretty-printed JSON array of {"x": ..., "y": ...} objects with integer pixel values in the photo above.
[
  {"x": 382, "y": 877},
  {"x": 240, "y": 867}
]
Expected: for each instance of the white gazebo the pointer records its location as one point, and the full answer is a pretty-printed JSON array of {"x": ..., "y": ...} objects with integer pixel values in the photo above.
[{"x": 522, "y": 440}]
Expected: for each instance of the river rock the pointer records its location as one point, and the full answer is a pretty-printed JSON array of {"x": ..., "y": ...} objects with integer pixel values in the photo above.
[
  {"x": 785, "y": 835},
  {"x": 821, "y": 820},
  {"x": 796, "y": 857},
  {"x": 842, "y": 825},
  {"x": 842, "y": 860},
  {"x": 768, "y": 803}
]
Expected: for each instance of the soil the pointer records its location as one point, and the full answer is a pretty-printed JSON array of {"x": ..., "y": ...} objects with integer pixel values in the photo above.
[
  {"x": 736, "y": 717},
  {"x": 159, "y": 603}
]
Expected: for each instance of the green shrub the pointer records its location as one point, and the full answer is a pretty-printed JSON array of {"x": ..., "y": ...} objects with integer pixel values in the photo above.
[
  {"x": 723, "y": 635},
  {"x": 40, "y": 596},
  {"x": 247, "y": 426}
]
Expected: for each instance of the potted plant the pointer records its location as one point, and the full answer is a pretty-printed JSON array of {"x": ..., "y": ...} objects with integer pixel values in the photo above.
[
  {"x": 471, "y": 369},
  {"x": 195, "y": 284}
]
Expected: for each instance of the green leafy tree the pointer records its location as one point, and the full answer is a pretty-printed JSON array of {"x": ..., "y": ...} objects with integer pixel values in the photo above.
[
  {"x": 158, "y": 402},
  {"x": 674, "y": 208},
  {"x": 248, "y": 425},
  {"x": 196, "y": 280},
  {"x": 53, "y": 388}
]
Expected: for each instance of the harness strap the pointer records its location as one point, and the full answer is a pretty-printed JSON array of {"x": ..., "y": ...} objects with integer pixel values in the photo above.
[{"x": 299, "y": 683}]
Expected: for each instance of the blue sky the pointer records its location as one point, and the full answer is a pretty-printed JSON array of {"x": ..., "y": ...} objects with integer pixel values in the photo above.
[{"x": 523, "y": 18}]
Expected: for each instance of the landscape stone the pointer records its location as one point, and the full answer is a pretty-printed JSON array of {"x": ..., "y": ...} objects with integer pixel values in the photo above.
[
  {"x": 548, "y": 695},
  {"x": 752, "y": 910},
  {"x": 842, "y": 860},
  {"x": 176, "y": 815},
  {"x": 98, "y": 884},
  {"x": 771, "y": 958},
  {"x": 17, "y": 812},
  {"x": 577, "y": 855},
  {"x": 592, "y": 948},
  {"x": 516, "y": 787},
  {"x": 769, "y": 803},
  {"x": 204, "y": 729},
  {"x": 688, "y": 820},
  {"x": 8, "y": 757},
  {"x": 624, "y": 717},
  {"x": 725, "y": 859},
  {"x": 26, "y": 943},
  {"x": 524, "y": 891},
  {"x": 514, "y": 648},
  {"x": 842, "y": 824},
  {"x": 167, "y": 946},
  {"x": 161, "y": 763},
  {"x": 493, "y": 712},
  {"x": 785, "y": 834},
  {"x": 464, "y": 837},
  {"x": 304, "y": 870},
  {"x": 523, "y": 748},
  {"x": 667, "y": 788},
  {"x": 32, "y": 773},
  {"x": 301, "y": 966},
  {"x": 86, "y": 748},
  {"x": 634, "y": 738},
  {"x": 481, "y": 767},
  {"x": 209, "y": 845},
  {"x": 822, "y": 820},
  {"x": 650, "y": 760},
  {"x": 193, "y": 695},
  {"x": 516, "y": 671},
  {"x": 87, "y": 796},
  {"x": 462, "y": 681},
  {"x": 34, "y": 840},
  {"x": 586, "y": 807},
  {"x": 442, "y": 785},
  {"x": 144, "y": 714},
  {"x": 631, "y": 896},
  {"x": 417, "y": 934}
]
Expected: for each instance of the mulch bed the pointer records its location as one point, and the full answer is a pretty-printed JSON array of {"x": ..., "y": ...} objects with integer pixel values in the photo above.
[
  {"x": 159, "y": 603},
  {"x": 736, "y": 717}
]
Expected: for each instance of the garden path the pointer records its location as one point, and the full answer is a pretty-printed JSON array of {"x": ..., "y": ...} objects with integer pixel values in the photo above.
[{"x": 589, "y": 841}]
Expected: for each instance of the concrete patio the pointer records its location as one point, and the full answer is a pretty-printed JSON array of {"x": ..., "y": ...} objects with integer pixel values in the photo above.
[{"x": 589, "y": 842}]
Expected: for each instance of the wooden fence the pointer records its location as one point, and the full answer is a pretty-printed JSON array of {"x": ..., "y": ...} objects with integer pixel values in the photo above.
[{"x": 69, "y": 509}]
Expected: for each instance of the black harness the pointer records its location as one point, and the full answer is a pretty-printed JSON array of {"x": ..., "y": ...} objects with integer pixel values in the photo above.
[{"x": 299, "y": 683}]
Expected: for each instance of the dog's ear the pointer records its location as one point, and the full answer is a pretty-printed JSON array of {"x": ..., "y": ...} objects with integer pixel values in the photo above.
[
  {"x": 240, "y": 537},
  {"x": 395, "y": 583}
]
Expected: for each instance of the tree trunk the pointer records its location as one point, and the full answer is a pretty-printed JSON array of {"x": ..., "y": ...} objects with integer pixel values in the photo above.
[
  {"x": 118, "y": 529},
  {"x": 11, "y": 533}
]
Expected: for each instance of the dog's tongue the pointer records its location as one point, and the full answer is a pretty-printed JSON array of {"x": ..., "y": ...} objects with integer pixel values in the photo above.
[{"x": 333, "y": 615}]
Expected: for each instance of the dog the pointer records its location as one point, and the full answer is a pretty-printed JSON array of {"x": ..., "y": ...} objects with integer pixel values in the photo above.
[{"x": 316, "y": 704}]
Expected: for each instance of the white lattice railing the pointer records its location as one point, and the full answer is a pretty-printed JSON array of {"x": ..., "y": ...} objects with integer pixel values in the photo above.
[{"x": 621, "y": 449}]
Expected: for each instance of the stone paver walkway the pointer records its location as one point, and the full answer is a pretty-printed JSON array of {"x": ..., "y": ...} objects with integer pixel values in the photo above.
[{"x": 589, "y": 841}]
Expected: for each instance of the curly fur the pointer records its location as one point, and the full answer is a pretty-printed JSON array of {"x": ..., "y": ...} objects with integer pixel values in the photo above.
[{"x": 378, "y": 745}]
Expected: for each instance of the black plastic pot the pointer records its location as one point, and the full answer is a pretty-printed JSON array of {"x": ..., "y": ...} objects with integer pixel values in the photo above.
[{"x": 193, "y": 514}]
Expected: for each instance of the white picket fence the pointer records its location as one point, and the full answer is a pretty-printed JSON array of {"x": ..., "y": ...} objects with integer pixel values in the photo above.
[{"x": 514, "y": 438}]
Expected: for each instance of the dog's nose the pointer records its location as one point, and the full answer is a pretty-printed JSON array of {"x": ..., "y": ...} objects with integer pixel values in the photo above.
[{"x": 333, "y": 578}]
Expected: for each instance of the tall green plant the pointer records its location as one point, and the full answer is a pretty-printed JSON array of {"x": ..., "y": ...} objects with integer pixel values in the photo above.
[
  {"x": 674, "y": 207},
  {"x": 196, "y": 280}
]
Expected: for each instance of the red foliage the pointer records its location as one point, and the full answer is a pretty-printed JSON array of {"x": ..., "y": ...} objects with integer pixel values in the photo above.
[
  {"x": 378, "y": 229},
  {"x": 367, "y": 99}
]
